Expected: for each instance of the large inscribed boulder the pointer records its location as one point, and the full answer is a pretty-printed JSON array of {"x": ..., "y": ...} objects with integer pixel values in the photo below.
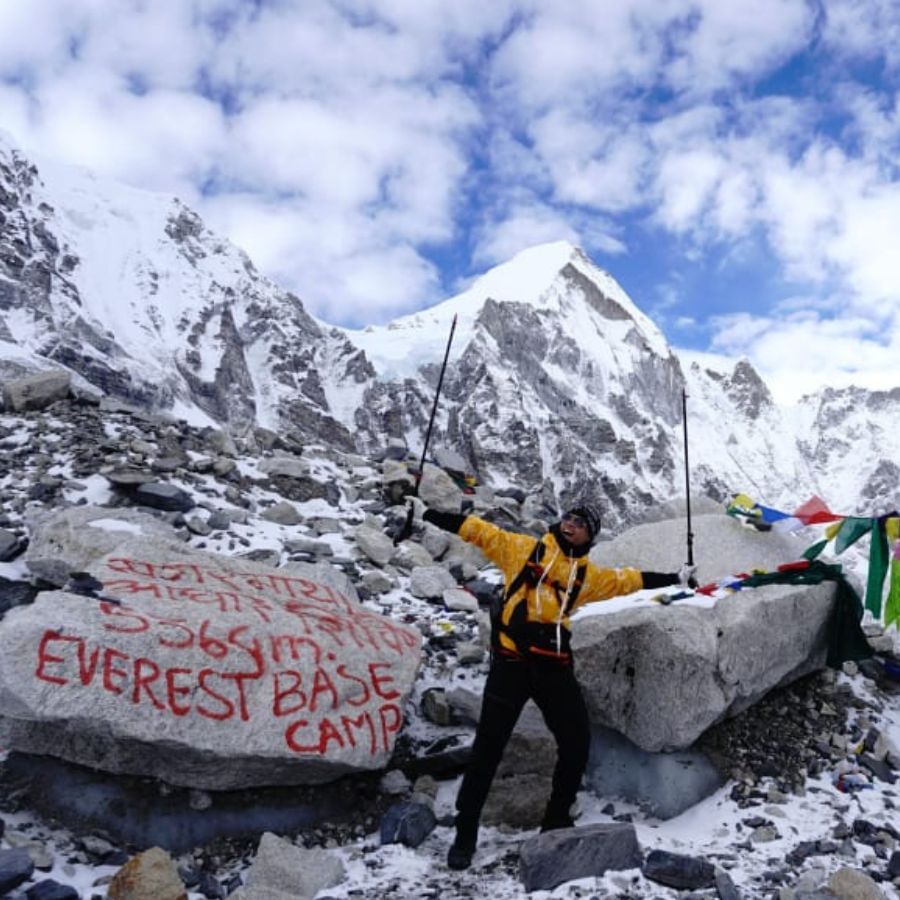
[
  {"x": 206, "y": 671},
  {"x": 661, "y": 675}
]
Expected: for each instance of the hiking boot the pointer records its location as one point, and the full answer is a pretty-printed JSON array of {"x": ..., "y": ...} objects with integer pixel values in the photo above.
[
  {"x": 460, "y": 854},
  {"x": 555, "y": 821}
]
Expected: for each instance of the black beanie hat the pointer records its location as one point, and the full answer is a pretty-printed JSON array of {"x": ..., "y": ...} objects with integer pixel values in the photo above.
[{"x": 591, "y": 515}]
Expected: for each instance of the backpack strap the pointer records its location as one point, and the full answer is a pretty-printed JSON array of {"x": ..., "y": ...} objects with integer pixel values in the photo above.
[
  {"x": 568, "y": 601},
  {"x": 531, "y": 570}
]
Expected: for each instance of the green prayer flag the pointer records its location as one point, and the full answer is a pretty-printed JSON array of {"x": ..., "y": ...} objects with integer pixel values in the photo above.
[
  {"x": 851, "y": 530},
  {"x": 814, "y": 550},
  {"x": 846, "y": 639},
  {"x": 878, "y": 566},
  {"x": 892, "y": 607}
]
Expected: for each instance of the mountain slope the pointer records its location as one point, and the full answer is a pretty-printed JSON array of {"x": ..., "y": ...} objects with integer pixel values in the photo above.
[
  {"x": 557, "y": 384},
  {"x": 132, "y": 292}
]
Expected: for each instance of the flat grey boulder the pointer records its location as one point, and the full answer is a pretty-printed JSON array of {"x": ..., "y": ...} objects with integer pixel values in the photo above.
[
  {"x": 552, "y": 858},
  {"x": 36, "y": 391},
  {"x": 206, "y": 671},
  {"x": 284, "y": 869},
  {"x": 662, "y": 675},
  {"x": 164, "y": 496},
  {"x": 71, "y": 540}
]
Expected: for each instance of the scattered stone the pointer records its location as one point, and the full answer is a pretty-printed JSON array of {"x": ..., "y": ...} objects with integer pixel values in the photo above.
[
  {"x": 167, "y": 497},
  {"x": 48, "y": 889},
  {"x": 376, "y": 545},
  {"x": 430, "y": 582},
  {"x": 459, "y": 600},
  {"x": 725, "y": 887},
  {"x": 16, "y": 867},
  {"x": 281, "y": 866},
  {"x": 282, "y": 513},
  {"x": 407, "y": 823},
  {"x": 34, "y": 392},
  {"x": 285, "y": 466},
  {"x": 394, "y": 782},
  {"x": 15, "y": 593},
  {"x": 11, "y": 545},
  {"x": 678, "y": 870},
  {"x": 150, "y": 875},
  {"x": 852, "y": 884},
  {"x": 554, "y": 857}
]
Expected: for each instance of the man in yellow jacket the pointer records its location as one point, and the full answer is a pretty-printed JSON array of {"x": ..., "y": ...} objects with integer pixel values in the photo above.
[{"x": 545, "y": 581}]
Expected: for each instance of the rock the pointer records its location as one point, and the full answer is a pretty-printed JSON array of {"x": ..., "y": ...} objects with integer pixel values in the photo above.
[
  {"x": 725, "y": 887},
  {"x": 210, "y": 672},
  {"x": 376, "y": 545},
  {"x": 394, "y": 782},
  {"x": 852, "y": 884},
  {"x": 555, "y": 857},
  {"x": 663, "y": 675},
  {"x": 435, "y": 707},
  {"x": 663, "y": 784},
  {"x": 11, "y": 545},
  {"x": 16, "y": 868},
  {"x": 36, "y": 391},
  {"x": 15, "y": 593},
  {"x": 166, "y": 465},
  {"x": 199, "y": 526},
  {"x": 150, "y": 875},
  {"x": 377, "y": 582},
  {"x": 282, "y": 513},
  {"x": 678, "y": 871},
  {"x": 518, "y": 800},
  {"x": 408, "y": 555},
  {"x": 458, "y": 600},
  {"x": 407, "y": 823},
  {"x": 219, "y": 520},
  {"x": 309, "y": 547},
  {"x": 48, "y": 889},
  {"x": 894, "y": 865},
  {"x": 129, "y": 478},
  {"x": 430, "y": 582},
  {"x": 439, "y": 491},
  {"x": 167, "y": 497},
  {"x": 286, "y": 466},
  {"x": 281, "y": 866},
  {"x": 70, "y": 540}
]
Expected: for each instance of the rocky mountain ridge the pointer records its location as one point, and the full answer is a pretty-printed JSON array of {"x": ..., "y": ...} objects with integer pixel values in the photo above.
[{"x": 557, "y": 385}]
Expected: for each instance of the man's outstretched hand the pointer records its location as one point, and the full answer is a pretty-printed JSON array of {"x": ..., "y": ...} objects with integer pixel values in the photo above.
[{"x": 686, "y": 576}]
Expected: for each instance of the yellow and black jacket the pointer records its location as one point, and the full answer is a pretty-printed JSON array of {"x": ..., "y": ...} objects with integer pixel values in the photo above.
[{"x": 546, "y": 580}]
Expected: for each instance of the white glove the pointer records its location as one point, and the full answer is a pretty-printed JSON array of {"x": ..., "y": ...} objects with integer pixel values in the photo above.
[{"x": 686, "y": 575}]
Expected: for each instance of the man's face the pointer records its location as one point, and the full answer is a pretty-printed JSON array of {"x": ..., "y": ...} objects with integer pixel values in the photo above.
[{"x": 575, "y": 530}]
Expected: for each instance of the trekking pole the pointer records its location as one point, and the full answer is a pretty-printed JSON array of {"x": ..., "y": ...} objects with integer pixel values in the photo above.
[
  {"x": 406, "y": 531},
  {"x": 687, "y": 480}
]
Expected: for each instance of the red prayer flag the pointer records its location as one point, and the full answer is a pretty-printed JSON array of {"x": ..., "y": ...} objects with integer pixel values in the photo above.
[{"x": 815, "y": 512}]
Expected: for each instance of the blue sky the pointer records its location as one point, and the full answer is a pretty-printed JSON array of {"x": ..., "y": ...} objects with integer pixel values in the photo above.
[{"x": 733, "y": 165}]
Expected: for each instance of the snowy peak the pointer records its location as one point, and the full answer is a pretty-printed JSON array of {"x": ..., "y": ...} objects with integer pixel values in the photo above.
[
  {"x": 132, "y": 292},
  {"x": 554, "y": 280}
]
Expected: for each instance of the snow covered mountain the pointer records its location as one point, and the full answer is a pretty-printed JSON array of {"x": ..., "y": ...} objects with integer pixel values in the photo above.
[
  {"x": 557, "y": 384},
  {"x": 131, "y": 291}
]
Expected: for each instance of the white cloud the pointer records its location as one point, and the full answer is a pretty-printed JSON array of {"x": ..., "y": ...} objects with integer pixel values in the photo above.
[
  {"x": 716, "y": 42},
  {"x": 343, "y": 142},
  {"x": 343, "y": 269},
  {"x": 799, "y": 353},
  {"x": 524, "y": 226},
  {"x": 863, "y": 28}
]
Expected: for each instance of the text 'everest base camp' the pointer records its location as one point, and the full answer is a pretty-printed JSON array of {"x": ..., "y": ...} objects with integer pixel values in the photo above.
[{"x": 238, "y": 662}]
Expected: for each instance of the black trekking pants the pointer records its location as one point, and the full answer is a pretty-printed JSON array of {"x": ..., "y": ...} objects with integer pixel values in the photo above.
[{"x": 510, "y": 683}]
